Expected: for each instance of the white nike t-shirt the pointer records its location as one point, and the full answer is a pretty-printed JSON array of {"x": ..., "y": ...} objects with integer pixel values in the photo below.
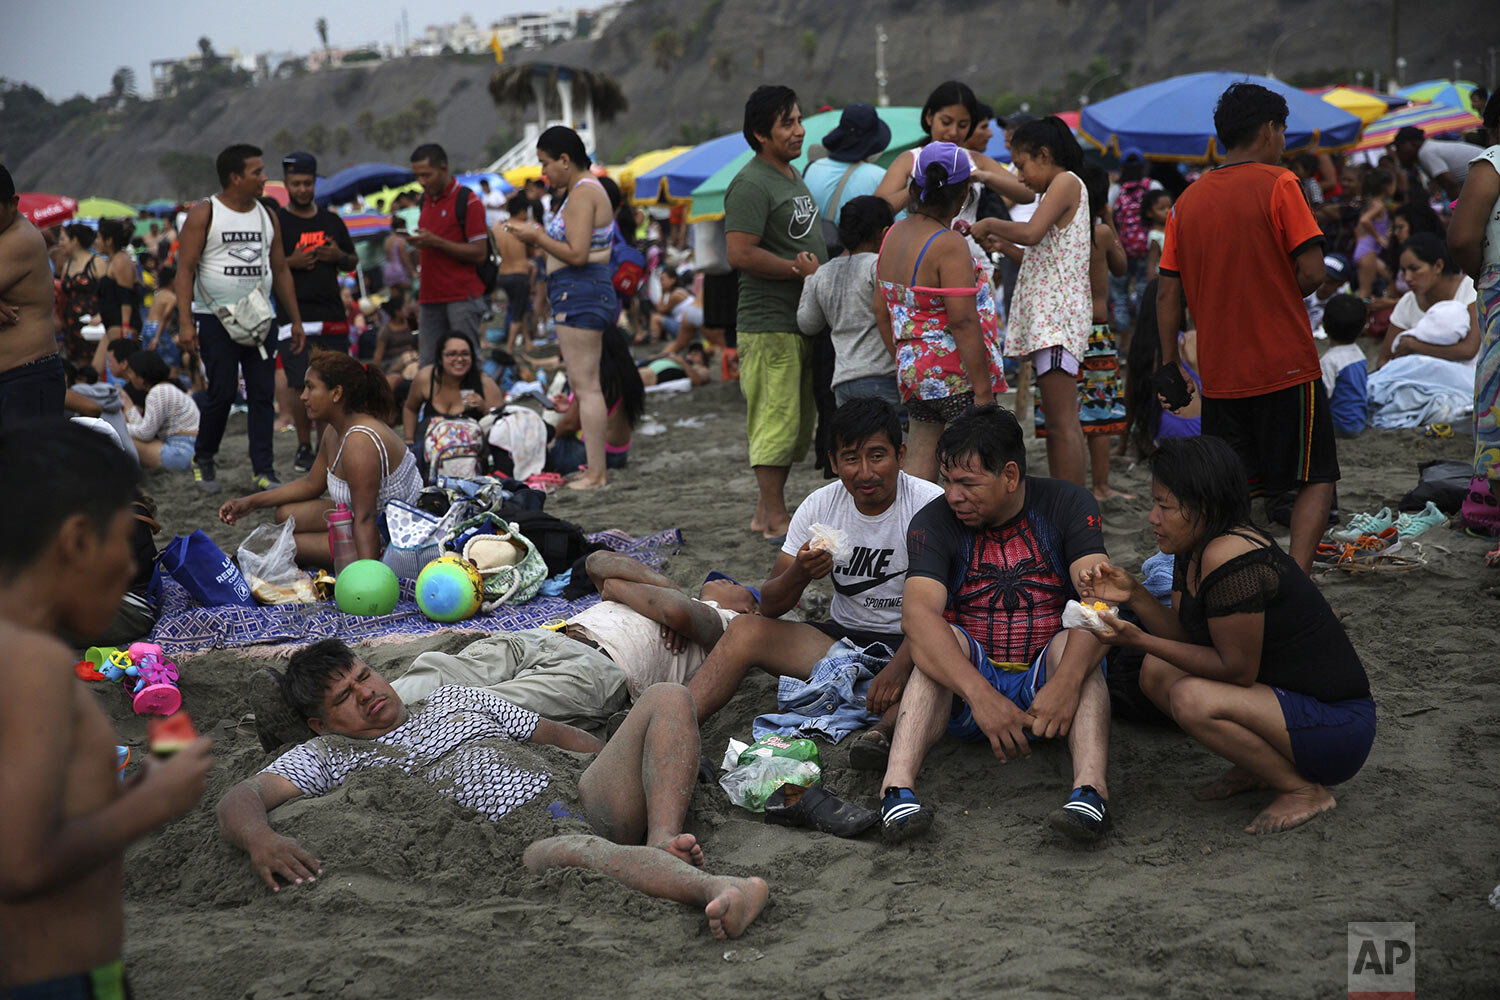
[{"x": 867, "y": 585}]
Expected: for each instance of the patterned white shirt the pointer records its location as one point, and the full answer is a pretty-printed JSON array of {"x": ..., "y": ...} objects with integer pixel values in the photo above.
[{"x": 454, "y": 741}]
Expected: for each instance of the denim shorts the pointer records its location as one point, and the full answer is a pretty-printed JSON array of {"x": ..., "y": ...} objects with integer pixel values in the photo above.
[
  {"x": 1330, "y": 739},
  {"x": 177, "y": 452},
  {"x": 583, "y": 297}
]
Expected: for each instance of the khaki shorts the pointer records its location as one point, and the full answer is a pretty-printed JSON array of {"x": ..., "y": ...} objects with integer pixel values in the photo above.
[{"x": 776, "y": 378}]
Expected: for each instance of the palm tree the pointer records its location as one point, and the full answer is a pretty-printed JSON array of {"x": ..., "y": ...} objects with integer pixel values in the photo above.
[
  {"x": 510, "y": 86},
  {"x": 322, "y": 26},
  {"x": 206, "y": 52},
  {"x": 122, "y": 84}
]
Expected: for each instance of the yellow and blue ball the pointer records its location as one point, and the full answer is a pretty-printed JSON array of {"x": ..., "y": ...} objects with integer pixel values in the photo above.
[{"x": 449, "y": 589}]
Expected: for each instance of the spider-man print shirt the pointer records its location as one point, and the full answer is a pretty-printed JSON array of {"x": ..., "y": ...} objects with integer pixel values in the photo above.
[{"x": 1007, "y": 584}]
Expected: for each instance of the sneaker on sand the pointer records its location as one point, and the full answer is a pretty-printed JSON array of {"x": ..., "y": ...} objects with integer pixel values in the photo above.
[
  {"x": 204, "y": 476},
  {"x": 265, "y": 480},
  {"x": 1410, "y": 525},
  {"x": 1084, "y": 817},
  {"x": 276, "y": 722},
  {"x": 304, "y": 461},
  {"x": 902, "y": 816},
  {"x": 1364, "y": 524}
]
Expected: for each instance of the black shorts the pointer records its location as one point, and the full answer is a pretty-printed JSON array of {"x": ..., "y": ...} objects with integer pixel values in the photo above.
[
  {"x": 295, "y": 365},
  {"x": 1285, "y": 438},
  {"x": 860, "y": 638}
]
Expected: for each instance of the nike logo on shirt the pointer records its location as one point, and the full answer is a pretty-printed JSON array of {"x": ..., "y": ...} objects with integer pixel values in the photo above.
[{"x": 854, "y": 589}]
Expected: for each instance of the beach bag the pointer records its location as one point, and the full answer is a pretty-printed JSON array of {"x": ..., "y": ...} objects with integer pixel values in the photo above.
[
  {"x": 205, "y": 571},
  {"x": 1443, "y": 481},
  {"x": 511, "y": 567},
  {"x": 414, "y": 537},
  {"x": 455, "y": 447},
  {"x": 1128, "y": 223}
]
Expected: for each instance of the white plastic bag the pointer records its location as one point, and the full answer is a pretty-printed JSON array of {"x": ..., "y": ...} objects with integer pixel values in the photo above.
[
  {"x": 268, "y": 560},
  {"x": 830, "y": 539},
  {"x": 1076, "y": 615}
]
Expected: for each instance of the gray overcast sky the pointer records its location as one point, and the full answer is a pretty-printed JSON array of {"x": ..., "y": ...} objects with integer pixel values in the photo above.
[{"x": 67, "y": 46}]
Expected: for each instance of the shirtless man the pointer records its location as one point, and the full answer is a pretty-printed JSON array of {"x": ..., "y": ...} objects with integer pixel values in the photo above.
[
  {"x": 65, "y": 563},
  {"x": 516, "y": 272},
  {"x": 32, "y": 383},
  {"x": 634, "y": 794}
]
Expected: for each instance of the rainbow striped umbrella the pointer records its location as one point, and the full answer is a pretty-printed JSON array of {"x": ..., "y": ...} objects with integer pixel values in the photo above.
[
  {"x": 366, "y": 224},
  {"x": 1434, "y": 119},
  {"x": 1454, "y": 93}
]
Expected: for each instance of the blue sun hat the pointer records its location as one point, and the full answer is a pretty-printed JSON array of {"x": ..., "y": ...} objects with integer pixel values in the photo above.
[{"x": 714, "y": 574}]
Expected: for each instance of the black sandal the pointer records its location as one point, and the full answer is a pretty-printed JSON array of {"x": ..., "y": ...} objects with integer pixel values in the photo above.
[{"x": 817, "y": 808}]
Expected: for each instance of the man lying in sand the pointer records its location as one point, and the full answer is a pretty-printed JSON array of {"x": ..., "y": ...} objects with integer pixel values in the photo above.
[
  {"x": 991, "y": 566},
  {"x": 870, "y": 506},
  {"x": 646, "y": 631},
  {"x": 461, "y": 741},
  {"x": 65, "y": 562}
]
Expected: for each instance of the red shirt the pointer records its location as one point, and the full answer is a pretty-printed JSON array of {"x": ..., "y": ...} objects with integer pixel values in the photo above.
[
  {"x": 444, "y": 277},
  {"x": 1231, "y": 239}
]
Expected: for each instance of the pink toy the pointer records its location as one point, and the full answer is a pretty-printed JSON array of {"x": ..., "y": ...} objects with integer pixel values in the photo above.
[
  {"x": 156, "y": 690},
  {"x": 140, "y": 650}
]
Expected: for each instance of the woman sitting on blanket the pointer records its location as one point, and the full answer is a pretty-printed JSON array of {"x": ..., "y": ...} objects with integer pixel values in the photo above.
[
  {"x": 690, "y": 366},
  {"x": 1249, "y": 659},
  {"x": 361, "y": 461},
  {"x": 625, "y": 402}
]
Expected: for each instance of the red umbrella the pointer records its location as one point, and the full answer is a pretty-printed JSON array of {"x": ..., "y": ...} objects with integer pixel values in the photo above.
[
  {"x": 43, "y": 210},
  {"x": 277, "y": 190}
]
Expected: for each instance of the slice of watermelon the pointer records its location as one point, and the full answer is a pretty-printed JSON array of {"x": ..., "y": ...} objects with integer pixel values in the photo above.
[{"x": 169, "y": 735}]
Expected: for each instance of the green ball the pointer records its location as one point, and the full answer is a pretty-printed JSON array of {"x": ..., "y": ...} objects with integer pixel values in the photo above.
[{"x": 367, "y": 587}]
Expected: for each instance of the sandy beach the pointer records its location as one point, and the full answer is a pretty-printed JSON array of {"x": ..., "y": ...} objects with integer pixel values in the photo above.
[{"x": 421, "y": 898}]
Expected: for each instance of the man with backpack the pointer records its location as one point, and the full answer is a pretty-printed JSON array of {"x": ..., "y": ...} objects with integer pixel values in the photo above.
[
  {"x": 455, "y": 253},
  {"x": 229, "y": 258}
]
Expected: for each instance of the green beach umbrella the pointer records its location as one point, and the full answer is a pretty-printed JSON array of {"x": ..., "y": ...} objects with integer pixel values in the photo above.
[
  {"x": 906, "y": 132},
  {"x": 104, "y": 208},
  {"x": 1454, "y": 93}
]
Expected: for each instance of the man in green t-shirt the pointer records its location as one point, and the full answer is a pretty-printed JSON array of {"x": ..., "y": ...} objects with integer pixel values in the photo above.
[{"x": 775, "y": 240}]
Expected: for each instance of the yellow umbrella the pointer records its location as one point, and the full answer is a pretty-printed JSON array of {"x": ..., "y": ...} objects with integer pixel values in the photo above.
[
  {"x": 516, "y": 177},
  {"x": 104, "y": 208},
  {"x": 1360, "y": 103},
  {"x": 625, "y": 175}
]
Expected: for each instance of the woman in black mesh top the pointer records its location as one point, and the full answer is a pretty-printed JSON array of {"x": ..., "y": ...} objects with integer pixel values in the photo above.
[{"x": 1249, "y": 659}]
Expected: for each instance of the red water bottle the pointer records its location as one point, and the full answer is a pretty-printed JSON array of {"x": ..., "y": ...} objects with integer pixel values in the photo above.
[{"x": 341, "y": 537}]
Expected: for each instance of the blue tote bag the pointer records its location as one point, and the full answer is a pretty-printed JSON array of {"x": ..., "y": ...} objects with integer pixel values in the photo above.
[{"x": 205, "y": 571}]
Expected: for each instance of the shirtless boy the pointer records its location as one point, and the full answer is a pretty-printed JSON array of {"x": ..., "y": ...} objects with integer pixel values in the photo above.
[
  {"x": 32, "y": 383},
  {"x": 65, "y": 562}
]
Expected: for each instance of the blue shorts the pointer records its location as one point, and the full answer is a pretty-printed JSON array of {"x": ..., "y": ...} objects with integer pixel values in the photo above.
[
  {"x": 177, "y": 452},
  {"x": 1330, "y": 739},
  {"x": 583, "y": 297},
  {"x": 1020, "y": 686}
]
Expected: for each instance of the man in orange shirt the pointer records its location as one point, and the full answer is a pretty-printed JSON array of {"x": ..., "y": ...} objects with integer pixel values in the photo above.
[{"x": 1243, "y": 249}]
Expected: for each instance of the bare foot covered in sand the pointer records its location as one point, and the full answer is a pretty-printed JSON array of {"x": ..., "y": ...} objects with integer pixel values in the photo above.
[
  {"x": 1110, "y": 493},
  {"x": 585, "y": 483},
  {"x": 1231, "y": 782},
  {"x": 737, "y": 903},
  {"x": 1291, "y": 809},
  {"x": 685, "y": 847}
]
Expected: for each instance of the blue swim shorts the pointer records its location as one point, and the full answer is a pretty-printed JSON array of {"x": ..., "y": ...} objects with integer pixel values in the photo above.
[{"x": 1020, "y": 686}]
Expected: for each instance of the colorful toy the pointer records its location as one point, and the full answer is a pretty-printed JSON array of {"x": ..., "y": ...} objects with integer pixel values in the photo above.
[
  {"x": 449, "y": 589},
  {"x": 143, "y": 667},
  {"x": 156, "y": 690},
  {"x": 367, "y": 587},
  {"x": 122, "y": 757}
]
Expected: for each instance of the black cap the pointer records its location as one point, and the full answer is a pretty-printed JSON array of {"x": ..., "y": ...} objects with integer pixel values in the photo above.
[{"x": 299, "y": 163}]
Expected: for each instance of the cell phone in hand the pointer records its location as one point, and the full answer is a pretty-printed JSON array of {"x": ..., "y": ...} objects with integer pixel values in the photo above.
[{"x": 1171, "y": 386}]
